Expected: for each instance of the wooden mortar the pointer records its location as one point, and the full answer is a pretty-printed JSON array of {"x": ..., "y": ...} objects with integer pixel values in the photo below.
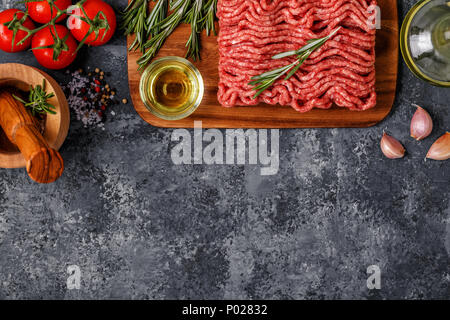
[
  {"x": 44, "y": 164},
  {"x": 23, "y": 148}
]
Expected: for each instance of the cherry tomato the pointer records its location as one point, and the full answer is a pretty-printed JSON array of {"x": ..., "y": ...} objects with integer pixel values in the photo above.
[
  {"x": 62, "y": 44},
  {"x": 41, "y": 12},
  {"x": 6, "y": 35},
  {"x": 101, "y": 14}
]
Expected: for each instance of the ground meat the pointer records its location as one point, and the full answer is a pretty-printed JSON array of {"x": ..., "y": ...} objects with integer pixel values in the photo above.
[{"x": 341, "y": 72}]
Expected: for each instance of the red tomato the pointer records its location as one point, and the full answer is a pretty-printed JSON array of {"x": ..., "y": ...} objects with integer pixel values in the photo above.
[
  {"x": 101, "y": 14},
  {"x": 6, "y": 35},
  {"x": 41, "y": 12},
  {"x": 54, "y": 37}
]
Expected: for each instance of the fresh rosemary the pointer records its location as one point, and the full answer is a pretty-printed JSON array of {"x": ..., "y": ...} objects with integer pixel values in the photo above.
[
  {"x": 38, "y": 100},
  {"x": 134, "y": 21},
  {"x": 154, "y": 24},
  {"x": 158, "y": 14},
  {"x": 178, "y": 8},
  {"x": 194, "y": 17},
  {"x": 264, "y": 81},
  {"x": 209, "y": 17}
]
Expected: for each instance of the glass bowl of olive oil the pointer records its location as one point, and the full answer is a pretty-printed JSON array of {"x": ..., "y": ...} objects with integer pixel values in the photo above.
[
  {"x": 425, "y": 41},
  {"x": 171, "y": 88}
]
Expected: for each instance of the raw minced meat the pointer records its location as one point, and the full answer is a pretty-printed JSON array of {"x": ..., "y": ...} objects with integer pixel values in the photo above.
[{"x": 341, "y": 72}]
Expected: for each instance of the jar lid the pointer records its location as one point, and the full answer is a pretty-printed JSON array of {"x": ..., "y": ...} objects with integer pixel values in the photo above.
[{"x": 425, "y": 41}]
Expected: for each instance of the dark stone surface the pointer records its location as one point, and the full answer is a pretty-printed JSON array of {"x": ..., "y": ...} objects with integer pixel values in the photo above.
[{"x": 140, "y": 227}]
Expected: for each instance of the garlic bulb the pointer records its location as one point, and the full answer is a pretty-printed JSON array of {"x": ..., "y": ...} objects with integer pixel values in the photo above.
[
  {"x": 421, "y": 124},
  {"x": 440, "y": 150},
  {"x": 391, "y": 147}
]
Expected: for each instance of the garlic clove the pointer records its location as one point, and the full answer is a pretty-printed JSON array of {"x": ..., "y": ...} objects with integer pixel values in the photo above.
[
  {"x": 391, "y": 147},
  {"x": 421, "y": 124},
  {"x": 440, "y": 150}
]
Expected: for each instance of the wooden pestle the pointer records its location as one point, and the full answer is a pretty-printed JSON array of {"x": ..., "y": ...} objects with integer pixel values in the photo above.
[{"x": 44, "y": 164}]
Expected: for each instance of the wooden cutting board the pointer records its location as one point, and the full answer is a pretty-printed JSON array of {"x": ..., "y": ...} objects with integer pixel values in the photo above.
[{"x": 264, "y": 116}]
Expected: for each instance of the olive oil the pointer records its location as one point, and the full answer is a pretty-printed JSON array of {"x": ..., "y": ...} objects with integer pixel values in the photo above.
[
  {"x": 425, "y": 41},
  {"x": 172, "y": 88},
  {"x": 441, "y": 35}
]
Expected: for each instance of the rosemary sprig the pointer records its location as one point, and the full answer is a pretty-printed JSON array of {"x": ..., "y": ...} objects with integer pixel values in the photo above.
[
  {"x": 209, "y": 17},
  {"x": 158, "y": 14},
  {"x": 267, "y": 79},
  {"x": 178, "y": 8},
  {"x": 154, "y": 24},
  {"x": 134, "y": 21},
  {"x": 194, "y": 18},
  {"x": 37, "y": 100}
]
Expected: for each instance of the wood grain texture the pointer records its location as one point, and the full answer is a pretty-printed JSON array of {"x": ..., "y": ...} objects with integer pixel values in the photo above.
[
  {"x": 264, "y": 116},
  {"x": 44, "y": 164},
  {"x": 56, "y": 126}
]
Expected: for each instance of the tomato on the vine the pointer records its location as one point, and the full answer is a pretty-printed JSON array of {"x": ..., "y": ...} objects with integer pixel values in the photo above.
[
  {"x": 42, "y": 12},
  {"x": 17, "y": 20},
  {"x": 54, "y": 47},
  {"x": 102, "y": 19}
]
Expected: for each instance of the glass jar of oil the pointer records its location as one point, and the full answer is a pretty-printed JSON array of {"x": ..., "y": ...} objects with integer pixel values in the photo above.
[
  {"x": 172, "y": 88},
  {"x": 425, "y": 41}
]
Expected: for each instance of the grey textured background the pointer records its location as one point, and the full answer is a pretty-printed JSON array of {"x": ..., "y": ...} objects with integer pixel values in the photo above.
[{"x": 140, "y": 227}]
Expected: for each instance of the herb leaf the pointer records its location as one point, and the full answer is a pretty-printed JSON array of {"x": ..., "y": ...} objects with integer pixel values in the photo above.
[
  {"x": 267, "y": 79},
  {"x": 153, "y": 26},
  {"x": 37, "y": 100},
  {"x": 194, "y": 17},
  {"x": 179, "y": 8}
]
